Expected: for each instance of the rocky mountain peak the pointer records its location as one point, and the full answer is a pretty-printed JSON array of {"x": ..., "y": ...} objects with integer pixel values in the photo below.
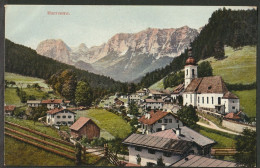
[{"x": 56, "y": 49}]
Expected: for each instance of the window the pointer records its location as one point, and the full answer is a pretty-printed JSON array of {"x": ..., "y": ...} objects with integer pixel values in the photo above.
[
  {"x": 165, "y": 120},
  {"x": 58, "y": 123},
  {"x": 64, "y": 123},
  {"x": 233, "y": 107},
  {"x": 233, "y": 101},
  {"x": 202, "y": 100},
  {"x": 212, "y": 99},
  {"x": 150, "y": 164},
  {"x": 177, "y": 121},
  {"x": 198, "y": 99},
  {"x": 170, "y": 120},
  {"x": 207, "y": 100},
  {"x": 159, "y": 121},
  {"x": 58, "y": 116},
  {"x": 69, "y": 116},
  {"x": 138, "y": 148},
  {"x": 193, "y": 74},
  {"x": 187, "y": 72},
  {"x": 158, "y": 129},
  {"x": 64, "y": 116},
  {"x": 151, "y": 151},
  {"x": 167, "y": 154},
  {"x": 70, "y": 122},
  {"x": 219, "y": 100}
]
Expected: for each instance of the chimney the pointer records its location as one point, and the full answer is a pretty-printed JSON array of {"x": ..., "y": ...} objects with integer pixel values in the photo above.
[
  {"x": 178, "y": 131},
  {"x": 163, "y": 127},
  {"x": 148, "y": 115}
]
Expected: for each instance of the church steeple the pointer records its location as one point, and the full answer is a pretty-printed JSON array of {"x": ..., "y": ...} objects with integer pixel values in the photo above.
[{"x": 190, "y": 68}]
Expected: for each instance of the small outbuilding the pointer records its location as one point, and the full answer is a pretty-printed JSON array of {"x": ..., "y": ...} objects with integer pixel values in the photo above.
[{"x": 85, "y": 127}]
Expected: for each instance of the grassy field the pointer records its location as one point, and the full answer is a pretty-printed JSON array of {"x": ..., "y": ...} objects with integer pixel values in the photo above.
[
  {"x": 223, "y": 140},
  {"x": 38, "y": 126},
  {"x": 22, "y": 154},
  {"x": 24, "y": 79},
  {"x": 108, "y": 101},
  {"x": 11, "y": 98},
  {"x": 107, "y": 121},
  {"x": 238, "y": 67},
  {"x": 247, "y": 101}
]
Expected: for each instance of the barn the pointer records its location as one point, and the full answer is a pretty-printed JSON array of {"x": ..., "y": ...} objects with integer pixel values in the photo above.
[{"x": 85, "y": 127}]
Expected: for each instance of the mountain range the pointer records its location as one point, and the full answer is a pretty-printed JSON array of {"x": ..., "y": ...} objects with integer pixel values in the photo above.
[{"x": 125, "y": 56}]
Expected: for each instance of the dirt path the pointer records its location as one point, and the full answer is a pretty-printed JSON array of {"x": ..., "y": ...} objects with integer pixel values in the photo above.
[{"x": 214, "y": 126}]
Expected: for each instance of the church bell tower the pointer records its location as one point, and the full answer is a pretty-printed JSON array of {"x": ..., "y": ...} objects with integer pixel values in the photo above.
[{"x": 190, "y": 69}]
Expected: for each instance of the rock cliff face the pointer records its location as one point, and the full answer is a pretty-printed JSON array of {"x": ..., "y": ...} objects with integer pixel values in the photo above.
[
  {"x": 55, "y": 49},
  {"x": 126, "y": 56}
]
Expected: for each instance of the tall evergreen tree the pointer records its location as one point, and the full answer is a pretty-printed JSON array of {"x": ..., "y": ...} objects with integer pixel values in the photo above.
[{"x": 83, "y": 95}]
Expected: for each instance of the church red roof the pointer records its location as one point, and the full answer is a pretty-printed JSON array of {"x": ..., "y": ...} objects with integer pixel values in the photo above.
[{"x": 190, "y": 61}]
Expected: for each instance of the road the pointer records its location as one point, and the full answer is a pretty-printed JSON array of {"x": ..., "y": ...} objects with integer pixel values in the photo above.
[{"x": 214, "y": 126}]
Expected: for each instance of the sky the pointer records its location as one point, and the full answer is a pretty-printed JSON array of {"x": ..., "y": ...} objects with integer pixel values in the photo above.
[{"x": 95, "y": 25}]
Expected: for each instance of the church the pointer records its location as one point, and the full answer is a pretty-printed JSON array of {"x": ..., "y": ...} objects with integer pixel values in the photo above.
[{"x": 207, "y": 93}]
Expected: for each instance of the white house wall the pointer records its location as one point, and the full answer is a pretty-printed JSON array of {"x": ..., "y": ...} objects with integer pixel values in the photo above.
[
  {"x": 54, "y": 120},
  {"x": 231, "y": 105},
  {"x": 147, "y": 157}
]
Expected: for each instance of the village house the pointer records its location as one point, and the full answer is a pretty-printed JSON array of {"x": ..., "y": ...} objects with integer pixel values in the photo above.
[
  {"x": 151, "y": 104},
  {"x": 141, "y": 92},
  {"x": 60, "y": 116},
  {"x": 148, "y": 149},
  {"x": 172, "y": 108},
  {"x": 9, "y": 110},
  {"x": 85, "y": 127},
  {"x": 118, "y": 103},
  {"x": 207, "y": 93},
  {"x": 155, "y": 121},
  {"x": 33, "y": 103},
  {"x": 134, "y": 98},
  {"x": 52, "y": 103},
  {"x": 155, "y": 94},
  {"x": 200, "y": 161},
  {"x": 177, "y": 91},
  {"x": 201, "y": 144},
  {"x": 233, "y": 117}
]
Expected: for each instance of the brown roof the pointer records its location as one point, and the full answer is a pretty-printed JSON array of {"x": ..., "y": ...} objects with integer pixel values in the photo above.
[
  {"x": 132, "y": 165},
  {"x": 232, "y": 116},
  {"x": 190, "y": 61},
  {"x": 200, "y": 161},
  {"x": 155, "y": 92},
  {"x": 229, "y": 95},
  {"x": 80, "y": 123},
  {"x": 158, "y": 143},
  {"x": 119, "y": 102},
  {"x": 52, "y": 101},
  {"x": 179, "y": 88},
  {"x": 57, "y": 110},
  {"x": 211, "y": 84},
  {"x": 154, "y": 100},
  {"x": 140, "y": 91},
  {"x": 154, "y": 116},
  {"x": 66, "y": 101},
  {"x": 9, "y": 108}
]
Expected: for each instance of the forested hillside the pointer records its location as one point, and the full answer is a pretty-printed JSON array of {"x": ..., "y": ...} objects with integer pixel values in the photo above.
[
  {"x": 225, "y": 27},
  {"x": 25, "y": 61}
]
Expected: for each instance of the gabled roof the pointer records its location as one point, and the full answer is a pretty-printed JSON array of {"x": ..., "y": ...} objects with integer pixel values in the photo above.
[
  {"x": 200, "y": 161},
  {"x": 229, "y": 95},
  {"x": 232, "y": 116},
  {"x": 80, "y": 123},
  {"x": 154, "y": 116},
  {"x": 186, "y": 134},
  {"x": 34, "y": 101},
  {"x": 159, "y": 143},
  {"x": 211, "y": 84},
  {"x": 154, "y": 100},
  {"x": 155, "y": 92},
  {"x": 57, "y": 110},
  {"x": 140, "y": 91},
  {"x": 9, "y": 108},
  {"x": 178, "y": 89},
  {"x": 52, "y": 101}
]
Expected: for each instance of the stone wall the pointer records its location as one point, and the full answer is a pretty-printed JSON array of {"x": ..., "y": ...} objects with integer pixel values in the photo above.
[{"x": 236, "y": 126}]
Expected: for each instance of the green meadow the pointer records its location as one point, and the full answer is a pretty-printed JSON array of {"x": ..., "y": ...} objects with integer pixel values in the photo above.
[
  {"x": 107, "y": 121},
  {"x": 238, "y": 67}
]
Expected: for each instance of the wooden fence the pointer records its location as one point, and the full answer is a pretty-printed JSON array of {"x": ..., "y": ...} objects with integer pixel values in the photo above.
[{"x": 223, "y": 151}]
